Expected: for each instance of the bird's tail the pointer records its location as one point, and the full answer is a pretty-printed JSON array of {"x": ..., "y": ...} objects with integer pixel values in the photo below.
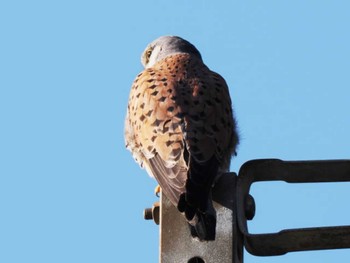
[
  {"x": 197, "y": 203},
  {"x": 204, "y": 225}
]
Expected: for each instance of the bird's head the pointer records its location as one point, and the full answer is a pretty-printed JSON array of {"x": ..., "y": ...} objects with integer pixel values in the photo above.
[{"x": 166, "y": 46}]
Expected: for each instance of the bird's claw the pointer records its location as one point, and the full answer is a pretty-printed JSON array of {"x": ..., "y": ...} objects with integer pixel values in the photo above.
[{"x": 157, "y": 190}]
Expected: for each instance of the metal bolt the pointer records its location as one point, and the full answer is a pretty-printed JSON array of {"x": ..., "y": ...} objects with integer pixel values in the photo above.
[
  {"x": 249, "y": 207},
  {"x": 147, "y": 214},
  {"x": 152, "y": 213}
]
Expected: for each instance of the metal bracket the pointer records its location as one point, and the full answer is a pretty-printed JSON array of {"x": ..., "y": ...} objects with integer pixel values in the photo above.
[
  {"x": 235, "y": 206},
  {"x": 292, "y": 172},
  {"x": 178, "y": 246}
]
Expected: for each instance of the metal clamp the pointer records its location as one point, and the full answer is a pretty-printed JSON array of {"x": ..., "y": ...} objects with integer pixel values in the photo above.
[{"x": 292, "y": 172}]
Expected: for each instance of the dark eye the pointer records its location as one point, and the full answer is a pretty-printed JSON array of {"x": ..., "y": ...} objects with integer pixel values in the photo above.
[{"x": 148, "y": 54}]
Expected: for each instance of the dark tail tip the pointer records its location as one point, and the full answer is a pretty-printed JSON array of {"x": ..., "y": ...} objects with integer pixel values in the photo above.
[{"x": 205, "y": 227}]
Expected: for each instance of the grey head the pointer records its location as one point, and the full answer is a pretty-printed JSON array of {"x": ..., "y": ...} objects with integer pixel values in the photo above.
[{"x": 165, "y": 46}]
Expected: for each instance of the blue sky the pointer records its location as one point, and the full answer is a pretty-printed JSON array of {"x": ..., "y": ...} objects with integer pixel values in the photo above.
[{"x": 70, "y": 192}]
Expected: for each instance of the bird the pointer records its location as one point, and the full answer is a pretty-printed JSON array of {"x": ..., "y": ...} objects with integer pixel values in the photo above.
[{"x": 180, "y": 127}]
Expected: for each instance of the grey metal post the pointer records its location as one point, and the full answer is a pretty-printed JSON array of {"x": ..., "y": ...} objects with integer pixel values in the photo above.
[{"x": 178, "y": 246}]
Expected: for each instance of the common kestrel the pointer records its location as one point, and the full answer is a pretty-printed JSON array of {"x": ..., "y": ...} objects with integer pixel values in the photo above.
[{"x": 180, "y": 127}]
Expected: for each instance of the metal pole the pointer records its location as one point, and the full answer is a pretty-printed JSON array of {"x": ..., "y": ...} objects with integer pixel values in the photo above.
[{"x": 178, "y": 246}]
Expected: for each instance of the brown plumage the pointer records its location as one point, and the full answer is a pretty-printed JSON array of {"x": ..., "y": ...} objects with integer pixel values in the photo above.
[{"x": 180, "y": 127}]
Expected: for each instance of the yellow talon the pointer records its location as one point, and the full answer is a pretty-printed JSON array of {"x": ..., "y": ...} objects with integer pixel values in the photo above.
[{"x": 157, "y": 190}]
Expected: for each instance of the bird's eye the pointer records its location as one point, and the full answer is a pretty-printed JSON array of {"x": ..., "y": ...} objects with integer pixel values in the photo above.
[{"x": 148, "y": 53}]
